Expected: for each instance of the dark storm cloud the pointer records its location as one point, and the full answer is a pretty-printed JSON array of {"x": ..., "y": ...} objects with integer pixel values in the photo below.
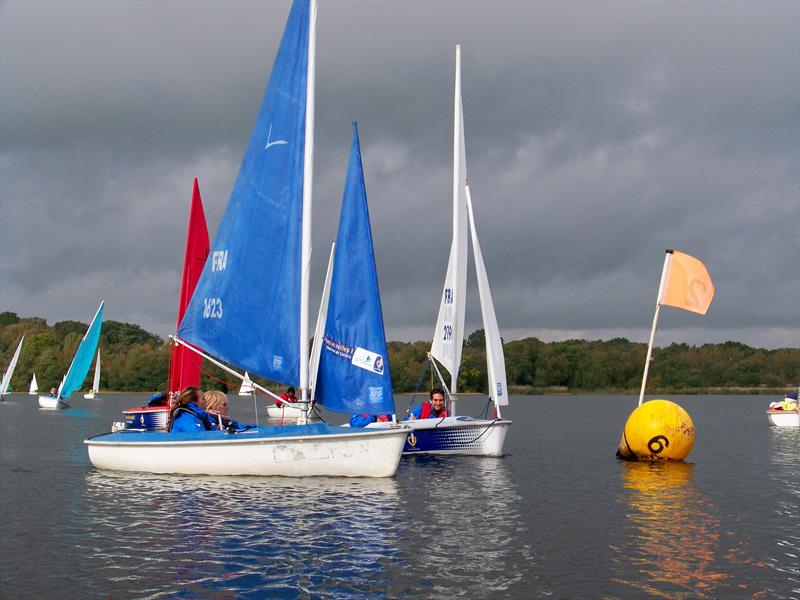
[{"x": 598, "y": 134}]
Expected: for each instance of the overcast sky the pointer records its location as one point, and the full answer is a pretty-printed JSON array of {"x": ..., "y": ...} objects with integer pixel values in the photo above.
[{"x": 598, "y": 134}]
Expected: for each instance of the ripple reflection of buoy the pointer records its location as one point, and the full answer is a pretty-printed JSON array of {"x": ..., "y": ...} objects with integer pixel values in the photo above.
[{"x": 658, "y": 429}]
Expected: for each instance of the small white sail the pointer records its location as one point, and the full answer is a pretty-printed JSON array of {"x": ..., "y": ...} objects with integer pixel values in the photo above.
[
  {"x": 6, "y": 383},
  {"x": 247, "y": 385},
  {"x": 34, "y": 386},
  {"x": 448, "y": 337},
  {"x": 96, "y": 382},
  {"x": 495, "y": 360},
  {"x": 322, "y": 317}
]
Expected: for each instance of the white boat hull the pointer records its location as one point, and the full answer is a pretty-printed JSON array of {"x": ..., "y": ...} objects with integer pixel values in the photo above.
[
  {"x": 784, "y": 418},
  {"x": 286, "y": 412},
  {"x": 376, "y": 454},
  {"x": 50, "y": 403},
  {"x": 454, "y": 435},
  {"x": 89, "y": 396}
]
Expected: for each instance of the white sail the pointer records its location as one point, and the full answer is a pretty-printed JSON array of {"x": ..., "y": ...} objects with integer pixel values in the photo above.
[
  {"x": 448, "y": 337},
  {"x": 96, "y": 382},
  {"x": 6, "y": 383},
  {"x": 247, "y": 385},
  {"x": 322, "y": 317},
  {"x": 495, "y": 360},
  {"x": 34, "y": 389}
]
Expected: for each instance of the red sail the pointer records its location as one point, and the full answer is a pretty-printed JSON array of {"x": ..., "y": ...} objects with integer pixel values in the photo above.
[{"x": 184, "y": 369}]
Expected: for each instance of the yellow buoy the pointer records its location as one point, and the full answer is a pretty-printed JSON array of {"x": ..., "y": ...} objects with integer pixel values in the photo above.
[{"x": 658, "y": 429}]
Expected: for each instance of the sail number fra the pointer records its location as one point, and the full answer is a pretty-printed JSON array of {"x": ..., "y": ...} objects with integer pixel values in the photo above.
[{"x": 212, "y": 308}]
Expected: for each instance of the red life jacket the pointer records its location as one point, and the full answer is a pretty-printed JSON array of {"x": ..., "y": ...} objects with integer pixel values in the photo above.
[
  {"x": 286, "y": 397},
  {"x": 427, "y": 411}
]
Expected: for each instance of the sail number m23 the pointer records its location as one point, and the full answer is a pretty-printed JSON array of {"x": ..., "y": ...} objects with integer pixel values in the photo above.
[{"x": 212, "y": 308}]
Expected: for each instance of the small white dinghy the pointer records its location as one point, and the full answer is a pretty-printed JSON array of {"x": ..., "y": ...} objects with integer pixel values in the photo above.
[
  {"x": 5, "y": 384},
  {"x": 34, "y": 389},
  {"x": 79, "y": 367},
  {"x": 785, "y": 413},
  {"x": 247, "y": 388},
  {"x": 92, "y": 394},
  {"x": 459, "y": 434}
]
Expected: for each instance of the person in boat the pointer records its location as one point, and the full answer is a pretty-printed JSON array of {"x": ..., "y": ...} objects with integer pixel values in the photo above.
[
  {"x": 187, "y": 415},
  {"x": 364, "y": 420},
  {"x": 158, "y": 399},
  {"x": 789, "y": 402},
  {"x": 215, "y": 403},
  {"x": 287, "y": 396},
  {"x": 53, "y": 392},
  {"x": 433, "y": 409}
]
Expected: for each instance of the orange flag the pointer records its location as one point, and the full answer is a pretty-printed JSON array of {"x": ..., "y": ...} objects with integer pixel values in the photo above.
[{"x": 688, "y": 284}]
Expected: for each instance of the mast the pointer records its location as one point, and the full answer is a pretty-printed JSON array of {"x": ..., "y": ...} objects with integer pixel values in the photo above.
[
  {"x": 661, "y": 286},
  {"x": 458, "y": 135},
  {"x": 308, "y": 181}
]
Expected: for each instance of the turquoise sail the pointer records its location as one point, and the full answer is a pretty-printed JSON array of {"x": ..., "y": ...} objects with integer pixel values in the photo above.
[
  {"x": 83, "y": 356},
  {"x": 245, "y": 309},
  {"x": 353, "y": 374}
]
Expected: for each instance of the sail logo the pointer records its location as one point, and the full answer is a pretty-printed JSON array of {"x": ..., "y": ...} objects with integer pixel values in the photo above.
[
  {"x": 271, "y": 143},
  {"x": 277, "y": 362},
  {"x": 375, "y": 394},
  {"x": 219, "y": 260},
  {"x": 499, "y": 389},
  {"x": 212, "y": 308},
  {"x": 367, "y": 360},
  {"x": 448, "y": 296}
]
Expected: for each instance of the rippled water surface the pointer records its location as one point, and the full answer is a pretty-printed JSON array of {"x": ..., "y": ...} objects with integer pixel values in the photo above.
[{"x": 558, "y": 517}]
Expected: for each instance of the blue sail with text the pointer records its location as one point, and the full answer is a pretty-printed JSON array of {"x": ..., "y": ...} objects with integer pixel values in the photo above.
[
  {"x": 245, "y": 309},
  {"x": 73, "y": 380},
  {"x": 353, "y": 374}
]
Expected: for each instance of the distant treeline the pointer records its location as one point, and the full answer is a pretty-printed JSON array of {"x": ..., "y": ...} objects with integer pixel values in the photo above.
[{"x": 136, "y": 360}]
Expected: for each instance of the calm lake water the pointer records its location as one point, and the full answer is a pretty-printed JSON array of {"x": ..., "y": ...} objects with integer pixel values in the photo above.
[{"x": 558, "y": 517}]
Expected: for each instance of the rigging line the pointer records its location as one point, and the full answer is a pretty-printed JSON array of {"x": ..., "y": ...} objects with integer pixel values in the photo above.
[{"x": 419, "y": 385}]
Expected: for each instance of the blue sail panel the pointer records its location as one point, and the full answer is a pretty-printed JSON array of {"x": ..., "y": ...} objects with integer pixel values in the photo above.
[
  {"x": 353, "y": 374},
  {"x": 245, "y": 309},
  {"x": 83, "y": 356}
]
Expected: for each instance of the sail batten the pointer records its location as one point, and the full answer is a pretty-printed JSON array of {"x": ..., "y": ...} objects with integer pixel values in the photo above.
[
  {"x": 353, "y": 374},
  {"x": 246, "y": 308}
]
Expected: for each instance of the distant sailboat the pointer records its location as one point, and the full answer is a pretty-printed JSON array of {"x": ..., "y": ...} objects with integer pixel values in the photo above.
[
  {"x": 91, "y": 395},
  {"x": 34, "y": 390},
  {"x": 247, "y": 388},
  {"x": 5, "y": 385},
  {"x": 79, "y": 368},
  {"x": 250, "y": 307}
]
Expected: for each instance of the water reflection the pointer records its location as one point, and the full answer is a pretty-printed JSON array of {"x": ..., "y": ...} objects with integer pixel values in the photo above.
[
  {"x": 785, "y": 472},
  {"x": 673, "y": 535},
  {"x": 464, "y": 531},
  {"x": 271, "y": 537}
]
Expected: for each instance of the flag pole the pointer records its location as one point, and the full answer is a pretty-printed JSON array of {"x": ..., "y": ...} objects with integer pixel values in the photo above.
[{"x": 662, "y": 285}]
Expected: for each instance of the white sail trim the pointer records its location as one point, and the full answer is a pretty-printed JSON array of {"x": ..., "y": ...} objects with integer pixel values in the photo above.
[
  {"x": 495, "y": 360},
  {"x": 4, "y": 385},
  {"x": 448, "y": 337},
  {"x": 322, "y": 318},
  {"x": 96, "y": 381},
  {"x": 34, "y": 389}
]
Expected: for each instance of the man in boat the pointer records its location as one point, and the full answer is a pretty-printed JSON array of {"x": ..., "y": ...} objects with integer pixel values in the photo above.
[
  {"x": 789, "y": 402},
  {"x": 187, "y": 416},
  {"x": 288, "y": 396},
  {"x": 433, "y": 409}
]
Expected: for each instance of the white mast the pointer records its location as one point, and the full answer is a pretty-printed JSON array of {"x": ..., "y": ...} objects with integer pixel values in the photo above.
[
  {"x": 308, "y": 182},
  {"x": 664, "y": 274}
]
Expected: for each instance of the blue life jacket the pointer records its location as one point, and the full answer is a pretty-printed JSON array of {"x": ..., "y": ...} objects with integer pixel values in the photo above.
[
  {"x": 362, "y": 420},
  {"x": 191, "y": 418}
]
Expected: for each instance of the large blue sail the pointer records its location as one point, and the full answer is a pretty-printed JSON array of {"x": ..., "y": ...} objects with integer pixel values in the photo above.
[
  {"x": 83, "y": 356},
  {"x": 245, "y": 309},
  {"x": 354, "y": 368}
]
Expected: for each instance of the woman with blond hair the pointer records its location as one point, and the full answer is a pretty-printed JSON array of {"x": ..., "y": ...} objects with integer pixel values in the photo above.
[{"x": 216, "y": 405}]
